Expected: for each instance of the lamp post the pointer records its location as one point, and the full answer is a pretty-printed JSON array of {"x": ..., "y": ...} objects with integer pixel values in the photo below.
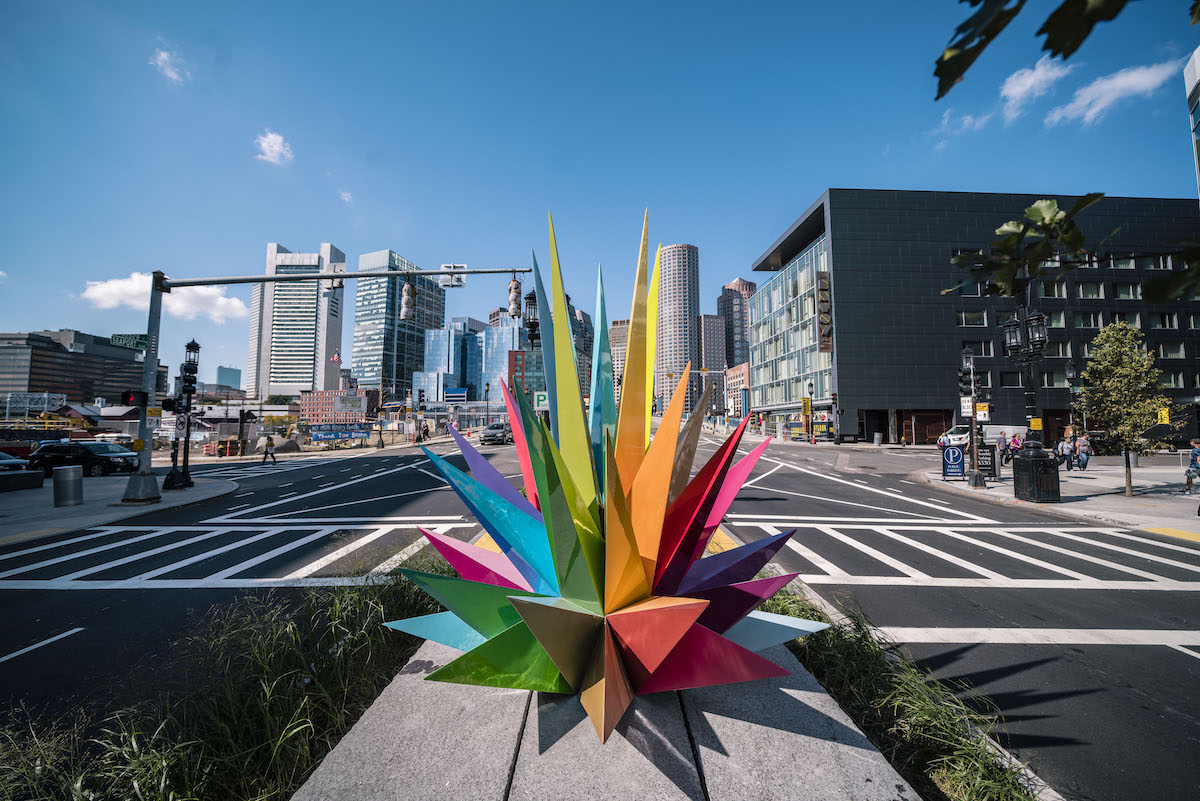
[
  {"x": 1072, "y": 378},
  {"x": 1025, "y": 340},
  {"x": 975, "y": 480},
  {"x": 191, "y": 363},
  {"x": 811, "y": 432},
  {"x": 487, "y": 406}
]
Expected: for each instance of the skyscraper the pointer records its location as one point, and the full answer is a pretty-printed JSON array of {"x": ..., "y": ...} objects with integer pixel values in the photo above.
[
  {"x": 678, "y": 307},
  {"x": 733, "y": 305},
  {"x": 618, "y": 336},
  {"x": 710, "y": 350},
  {"x": 296, "y": 326},
  {"x": 1191, "y": 82},
  {"x": 388, "y": 350},
  {"x": 230, "y": 377},
  {"x": 453, "y": 360},
  {"x": 498, "y": 315}
]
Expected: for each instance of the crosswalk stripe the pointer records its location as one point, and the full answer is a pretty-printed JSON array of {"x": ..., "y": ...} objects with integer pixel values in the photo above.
[
  {"x": 940, "y": 554},
  {"x": 87, "y": 571},
  {"x": 345, "y": 550},
  {"x": 282, "y": 549},
  {"x": 191, "y": 560},
  {"x": 1020, "y": 557},
  {"x": 1084, "y": 556},
  {"x": 86, "y": 552},
  {"x": 1128, "y": 551},
  {"x": 880, "y": 556}
]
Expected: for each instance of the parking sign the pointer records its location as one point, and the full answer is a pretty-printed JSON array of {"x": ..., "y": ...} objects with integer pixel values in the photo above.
[{"x": 953, "y": 464}]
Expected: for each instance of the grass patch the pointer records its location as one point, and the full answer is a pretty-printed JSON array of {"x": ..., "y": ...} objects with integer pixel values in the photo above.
[
  {"x": 266, "y": 686},
  {"x": 931, "y": 737}
]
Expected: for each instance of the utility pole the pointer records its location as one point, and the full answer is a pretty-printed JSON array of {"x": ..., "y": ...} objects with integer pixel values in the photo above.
[{"x": 143, "y": 485}]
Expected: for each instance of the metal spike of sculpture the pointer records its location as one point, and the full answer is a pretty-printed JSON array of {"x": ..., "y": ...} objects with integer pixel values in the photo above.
[{"x": 601, "y": 586}]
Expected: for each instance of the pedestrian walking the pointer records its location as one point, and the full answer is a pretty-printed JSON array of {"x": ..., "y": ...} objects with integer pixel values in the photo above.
[
  {"x": 269, "y": 450},
  {"x": 1066, "y": 453},
  {"x": 1084, "y": 448},
  {"x": 1002, "y": 448},
  {"x": 1193, "y": 469},
  {"x": 943, "y": 440},
  {"x": 1015, "y": 446}
]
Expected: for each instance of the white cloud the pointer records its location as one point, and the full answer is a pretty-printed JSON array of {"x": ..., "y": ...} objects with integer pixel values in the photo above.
[
  {"x": 1091, "y": 102},
  {"x": 346, "y": 197},
  {"x": 963, "y": 123},
  {"x": 185, "y": 302},
  {"x": 1026, "y": 85},
  {"x": 3, "y": 275},
  {"x": 170, "y": 65},
  {"x": 273, "y": 148}
]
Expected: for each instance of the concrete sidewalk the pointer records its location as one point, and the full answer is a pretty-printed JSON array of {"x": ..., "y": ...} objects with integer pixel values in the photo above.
[
  {"x": 1099, "y": 494},
  {"x": 29, "y": 514},
  {"x": 162, "y": 458},
  {"x": 769, "y": 739}
]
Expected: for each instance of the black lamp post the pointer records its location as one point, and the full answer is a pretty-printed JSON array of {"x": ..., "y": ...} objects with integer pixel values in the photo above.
[
  {"x": 191, "y": 364},
  {"x": 1025, "y": 340},
  {"x": 487, "y": 407},
  {"x": 1073, "y": 381},
  {"x": 811, "y": 433}
]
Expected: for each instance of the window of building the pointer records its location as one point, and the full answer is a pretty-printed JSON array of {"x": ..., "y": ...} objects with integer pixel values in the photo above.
[
  {"x": 1164, "y": 320},
  {"x": 1127, "y": 291},
  {"x": 1055, "y": 379},
  {"x": 1088, "y": 319},
  {"x": 983, "y": 348},
  {"x": 1010, "y": 379},
  {"x": 1052, "y": 289},
  {"x": 971, "y": 289},
  {"x": 984, "y": 376},
  {"x": 1122, "y": 262},
  {"x": 1090, "y": 290},
  {"x": 1154, "y": 262},
  {"x": 1085, "y": 350},
  {"x": 1056, "y": 319},
  {"x": 971, "y": 319},
  {"x": 1077, "y": 260},
  {"x": 1195, "y": 380},
  {"x": 1170, "y": 350},
  {"x": 1171, "y": 381},
  {"x": 1058, "y": 350},
  {"x": 1131, "y": 319}
]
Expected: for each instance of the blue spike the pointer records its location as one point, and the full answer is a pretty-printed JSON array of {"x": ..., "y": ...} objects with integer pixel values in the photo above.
[
  {"x": 602, "y": 414},
  {"x": 546, "y": 333},
  {"x": 511, "y": 528},
  {"x": 446, "y": 628}
]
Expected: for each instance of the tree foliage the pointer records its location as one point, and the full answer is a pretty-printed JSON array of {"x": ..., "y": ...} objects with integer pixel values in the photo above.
[
  {"x": 279, "y": 400},
  {"x": 1120, "y": 392},
  {"x": 1066, "y": 29}
]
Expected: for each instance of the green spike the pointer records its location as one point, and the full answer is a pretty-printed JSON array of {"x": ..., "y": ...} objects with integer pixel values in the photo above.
[
  {"x": 513, "y": 658},
  {"x": 483, "y": 607}
]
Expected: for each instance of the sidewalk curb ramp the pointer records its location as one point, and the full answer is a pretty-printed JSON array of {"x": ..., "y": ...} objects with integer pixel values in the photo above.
[{"x": 770, "y": 739}]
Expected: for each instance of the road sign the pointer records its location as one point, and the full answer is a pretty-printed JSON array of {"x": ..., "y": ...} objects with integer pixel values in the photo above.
[
  {"x": 981, "y": 413},
  {"x": 985, "y": 461},
  {"x": 806, "y": 405},
  {"x": 964, "y": 406},
  {"x": 154, "y": 411},
  {"x": 541, "y": 401},
  {"x": 137, "y": 341},
  {"x": 138, "y": 444},
  {"x": 1164, "y": 417},
  {"x": 180, "y": 422},
  {"x": 1035, "y": 424},
  {"x": 953, "y": 464},
  {"x": 43, "y": 401}
]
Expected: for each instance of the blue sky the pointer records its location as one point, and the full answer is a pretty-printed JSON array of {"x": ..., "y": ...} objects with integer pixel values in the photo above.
[{"x": 184, "y": 137}]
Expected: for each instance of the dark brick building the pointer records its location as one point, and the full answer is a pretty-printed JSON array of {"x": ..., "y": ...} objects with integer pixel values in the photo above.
[
  {"x": 891, "y": 348},
  {"x": 81, "y": 366}
]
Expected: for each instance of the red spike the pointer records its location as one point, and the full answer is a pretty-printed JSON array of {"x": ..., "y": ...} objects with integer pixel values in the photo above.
[
  {"x": 704, "y": 658},
  {"x": 729, "y": 604}
]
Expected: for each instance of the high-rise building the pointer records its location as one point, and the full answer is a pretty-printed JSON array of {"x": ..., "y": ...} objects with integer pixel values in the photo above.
[
  {"x": 584, "y": 334},
  {"x": 733, "y": 304},
  {"x": 737, "y": 378},
  {"x": 618, "y": 336},
  {"x": 453, "y": 360},
  {"x": 81, "y": 366},
  {"x": 710, "y": 351},
  {"x": 1191, "y": 82},
  {"x": 229, "y": 377},
  {"x": 296, "y": 326},
  {"x": 498, "y": 315},
  {"x": 387, "y": 349},
  {"x": 678, "y": 307},
  {"x": 497, "y": 342}
]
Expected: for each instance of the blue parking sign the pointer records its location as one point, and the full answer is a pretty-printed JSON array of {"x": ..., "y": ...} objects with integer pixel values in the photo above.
[{"x": 953, "y": 464}]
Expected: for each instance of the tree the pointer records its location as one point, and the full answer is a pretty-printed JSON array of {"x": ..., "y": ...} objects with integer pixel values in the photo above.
[
  {"x": 1120, "y": 392},
  {"x": 279, "y": 400}
]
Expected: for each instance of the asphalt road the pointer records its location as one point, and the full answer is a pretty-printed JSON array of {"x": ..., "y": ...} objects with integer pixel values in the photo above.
[{"x": 1083, "y": 635}]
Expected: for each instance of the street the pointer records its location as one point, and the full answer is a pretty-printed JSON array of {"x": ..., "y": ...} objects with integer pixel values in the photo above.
[{"x": 1083, "y": 635}]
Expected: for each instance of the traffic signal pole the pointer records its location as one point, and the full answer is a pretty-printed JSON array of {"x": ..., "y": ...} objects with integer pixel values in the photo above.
[{"x": 143, "y": 485}]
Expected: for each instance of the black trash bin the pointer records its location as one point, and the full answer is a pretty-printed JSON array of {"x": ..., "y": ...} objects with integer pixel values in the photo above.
[{"x": 1035, "y": 476}]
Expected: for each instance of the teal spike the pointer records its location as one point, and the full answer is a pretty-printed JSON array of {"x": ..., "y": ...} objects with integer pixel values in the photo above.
[
  {"x": 446, "y": 628},
  {"x": 759, "y": 631},
  {"x": 508, "y": 525},
  {"x": 602, "y": 414},
  {"x": 546, "y": 333}
]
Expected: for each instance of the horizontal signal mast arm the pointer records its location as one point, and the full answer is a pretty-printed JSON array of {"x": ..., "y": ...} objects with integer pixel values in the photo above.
[{"x": 171, "y": 283}]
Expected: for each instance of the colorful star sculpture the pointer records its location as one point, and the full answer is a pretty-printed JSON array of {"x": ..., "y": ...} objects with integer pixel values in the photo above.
[{"x": 599, "y": 586}]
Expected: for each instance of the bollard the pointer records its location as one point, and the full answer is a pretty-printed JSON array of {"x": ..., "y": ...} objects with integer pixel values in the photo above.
[{"x": 68, "y": 485}]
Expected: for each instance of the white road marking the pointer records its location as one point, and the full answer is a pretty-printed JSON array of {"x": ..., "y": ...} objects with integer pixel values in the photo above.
[
  {"x": 391, "y": 564},
  {"x": 935, "y": 500},
  {"x": 86, "y": 552},
  {"x": 433, "y": 475},
  {"x": 344, "y": 470},
  {"x": 879, "y": 556},
  {"x": 1020, "y": 557},
  {"x": 191, "y": 560},
  {"x": 345, "y": 550},
  {"x": 1038, "y": 636},
  {"x": 106, "y": 533},
  {"x": 860, "y": 481},
  {"x": 838, "y": 500},
  {"x": 290, "y": 483},
  {"x": 235, "y": 508},
  {"x": 1128, "y": 551},
  {"x": 263, "y": 557},
  {"x": 947, "y": 557},
  {"x": 37, "y": 645},
  {"x": 807, "y": 553},
  {"x": 284, "y": 499},
  {"x": 982, "y": 583},
  {"x": 754, "y": 481},
  {"x": 87, "y": 571},
  {"x": 243, "y": 495},
  {"x": 1083, "y": 556},
  {"x": 288, "y": 494},
  {"x": 330, "y": 484},
  {"x": 906, "y": 481}
]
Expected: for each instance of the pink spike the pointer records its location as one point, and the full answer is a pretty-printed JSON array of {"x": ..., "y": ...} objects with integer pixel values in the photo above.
[
  {"x": 734, "y": 480},
  {"x": 477, "y": 564},
  {"x": 704, "y": 658},
  {"x": 730, "y": 603},
  {"x": 522, "y": 446}
]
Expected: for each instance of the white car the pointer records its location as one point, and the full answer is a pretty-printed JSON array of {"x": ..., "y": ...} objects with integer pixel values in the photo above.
[{"x": 959, "y": 435}]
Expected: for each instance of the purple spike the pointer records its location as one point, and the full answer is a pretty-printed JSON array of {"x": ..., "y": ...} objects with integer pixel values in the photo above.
[
  {"x": 732, "y": 566},
  {"x": 483, "y": 472}
]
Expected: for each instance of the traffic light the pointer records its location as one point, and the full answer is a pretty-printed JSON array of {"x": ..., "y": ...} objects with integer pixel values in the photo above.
[
  {"x": 978, "y": 386},
  {"x": 168, "y": 404},
  {"x": 133, "y": 398},
  {"x": 187, "y": 377},
  {"x": 514, "y": 298},
  {"x": 420, "y": 397},
  {"x": 407, "y": 296},
  {"x": 964, "y": 381}
]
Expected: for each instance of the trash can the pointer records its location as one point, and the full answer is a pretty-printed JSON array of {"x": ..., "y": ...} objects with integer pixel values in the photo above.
[
  {"x": 1133, "y": 459},
  {"x": 68, "y": 485},
  {"x": 1035, "y": 477},
  {"x": 878, "y": 438}
]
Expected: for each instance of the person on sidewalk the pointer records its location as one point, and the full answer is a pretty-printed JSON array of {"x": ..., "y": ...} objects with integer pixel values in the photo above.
[
  {"x": 1014, "y": 446},
  {"x": 943, "y": 440},
  {"x": 269, "y": 450},
  {"x": 1066, "y": 453},
  {"x": 1002, "y": 448},
  {"x": 1193, "y": 469},
  {"x": 1084, "y": 448}
]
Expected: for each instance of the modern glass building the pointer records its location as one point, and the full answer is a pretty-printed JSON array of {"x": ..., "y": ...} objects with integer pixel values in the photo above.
[
  {"x": 733, "y": 305},
  {"x": 388, "y": 350},
  {"x": 81, "y": 366},
  {"x": 497, "y": 341},
  {"x": 1191, "y": 82},
  {"x": 455, "y": 353},
  {"x": 229, "y": 377}
]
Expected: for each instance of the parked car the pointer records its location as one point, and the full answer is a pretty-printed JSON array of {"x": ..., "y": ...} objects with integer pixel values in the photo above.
[
  {"x": 496, "y": 433},
  {"x": 959, "y": 435},
  {"x": 9, "y": 462},
  {"x": 97, "y": 458}
]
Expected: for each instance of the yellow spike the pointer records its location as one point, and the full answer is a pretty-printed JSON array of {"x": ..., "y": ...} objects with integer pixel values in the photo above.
[
  {"x": 630, "y": 447},
  {"x": 574, "y": 442},
  {"x": 648, "y": 497},
  {"x": 625, "y": 579},
  {"x": 652, "y": 340}
]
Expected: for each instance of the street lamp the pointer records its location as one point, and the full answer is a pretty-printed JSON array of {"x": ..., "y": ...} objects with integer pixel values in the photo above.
[
  {"x": 487, "y": 408},
  {"x": 191, "y": 366},
  {"x": 975, "y": 480},
  {"x": 811, "y": 433},
  {"x": 1073, "y": 382}
]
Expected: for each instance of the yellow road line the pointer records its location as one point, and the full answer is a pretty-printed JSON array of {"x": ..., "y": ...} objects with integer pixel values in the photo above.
[
  {"x": 1175, "y": 532},
  {"x": 720, "y": 541},
  {"x": 487, "y": 543}
]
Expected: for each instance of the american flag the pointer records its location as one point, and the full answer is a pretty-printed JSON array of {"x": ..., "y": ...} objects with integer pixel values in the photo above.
[{"x": 336, "y": 358}]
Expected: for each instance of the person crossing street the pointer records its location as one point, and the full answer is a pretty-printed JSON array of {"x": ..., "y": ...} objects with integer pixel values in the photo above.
[{"x": 269, "y": 450}]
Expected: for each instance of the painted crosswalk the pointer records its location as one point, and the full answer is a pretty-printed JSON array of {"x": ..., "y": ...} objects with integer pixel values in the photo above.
[
  {"x": 223, "y": 556},
  {"x": 245, "y": 470},
  {"x": 936, "y": 552}
]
